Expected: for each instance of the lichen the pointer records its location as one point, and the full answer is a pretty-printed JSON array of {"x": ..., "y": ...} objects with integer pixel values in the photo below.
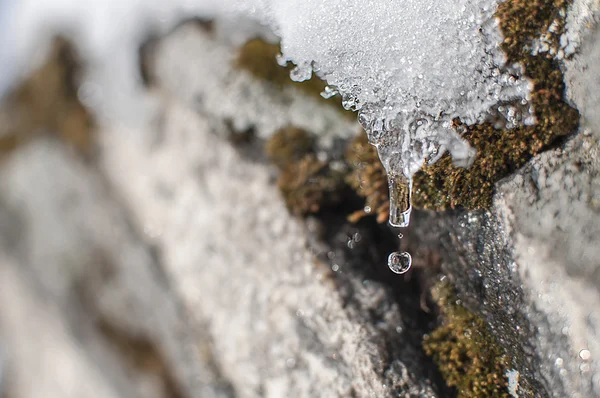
[
  {"x": 368, "y": 179},
  {"x": 500, "y": 152},
  {"x": 259, "y": 58},
  {"x": 465, "y": 351},
  {"x": 306, "y": 183},
  {"x": 47, "y": 102}
]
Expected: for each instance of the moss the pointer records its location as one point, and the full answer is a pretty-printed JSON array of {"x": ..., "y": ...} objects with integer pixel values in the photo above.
[
  {"x": 368, "y": 178},
  {"x": 465, "y": 350},
  {"x": 306, "y": 183},
  {"x": 500, "y": 152},
  {"x": 289, "y": 144},
  {"x": 47, "y": 102},
  {"x": 309, "y": 184},
  {"x": 259, "y": 58}
]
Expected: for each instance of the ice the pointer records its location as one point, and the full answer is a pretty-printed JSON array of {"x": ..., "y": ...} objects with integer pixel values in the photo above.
[
  {"x": 408, "y": 67},
  {"x": 400, "y": 206}
]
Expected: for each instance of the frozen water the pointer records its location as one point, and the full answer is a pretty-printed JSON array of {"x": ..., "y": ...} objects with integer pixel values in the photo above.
[
  {"x": 400, "y": 206},
  {"x": 409, "y": 67},
  {"x": 399, "y": 263}
]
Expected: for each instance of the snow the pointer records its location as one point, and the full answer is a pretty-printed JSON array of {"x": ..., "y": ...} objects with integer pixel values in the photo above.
[{"x": 409, "y": 67}]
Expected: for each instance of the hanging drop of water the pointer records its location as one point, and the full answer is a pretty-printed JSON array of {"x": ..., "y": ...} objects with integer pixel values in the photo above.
[{"x": 399, "y": 262}]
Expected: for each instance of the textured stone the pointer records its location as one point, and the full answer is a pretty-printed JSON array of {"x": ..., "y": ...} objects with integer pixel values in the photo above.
[
  {"x": 280, "y": 323},
  {"x": 530, "y": 265},
  {"x": 86, "y": 310}
]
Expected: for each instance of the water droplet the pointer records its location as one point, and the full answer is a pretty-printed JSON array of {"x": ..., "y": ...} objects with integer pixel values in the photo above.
[
  {"x": 335, "y": 267},
  {"x": 400, "y": 236},
  {"x": 585, "y": 354},
  {"x": 367, "y": 209},
  {"x": 399, "y": 263},
  {"x": 563, "y": 372}
]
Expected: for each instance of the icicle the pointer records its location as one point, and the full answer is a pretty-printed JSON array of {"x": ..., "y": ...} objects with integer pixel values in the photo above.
[{"x": 400, "y": 206}]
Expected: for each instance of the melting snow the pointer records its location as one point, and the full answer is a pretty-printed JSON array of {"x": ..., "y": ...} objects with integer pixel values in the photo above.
[{"x": 409, "y": 67}]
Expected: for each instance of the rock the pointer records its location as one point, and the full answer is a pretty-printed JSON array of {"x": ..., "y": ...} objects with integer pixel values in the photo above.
[
  {"x": 86, "y": 308},
  {"x": 168, "y": 266},
  {"x": 279, "y": 324},
  {"x": 530, "y": 265}
]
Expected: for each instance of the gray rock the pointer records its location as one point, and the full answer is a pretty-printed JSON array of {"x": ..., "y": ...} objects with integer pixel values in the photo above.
[
  {"x": 86, "y": 310},
  {"x": 280, "y": 323}
]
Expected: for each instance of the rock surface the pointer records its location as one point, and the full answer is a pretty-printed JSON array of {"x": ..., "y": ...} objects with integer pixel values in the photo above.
[{"x": 169, "y": 266}]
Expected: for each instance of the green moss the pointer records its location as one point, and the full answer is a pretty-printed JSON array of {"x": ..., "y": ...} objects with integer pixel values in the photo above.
[
  {"x": 306, "y": 183},
  {"x": 465, "y": 350},
  {"x": 259, "y": 58},
  {"x": 368, "y": 178},
  {"x": 500, "y": 152}
]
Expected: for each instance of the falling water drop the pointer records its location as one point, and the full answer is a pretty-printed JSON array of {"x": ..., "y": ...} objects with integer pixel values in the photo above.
[{"x": 399, "y": 262}]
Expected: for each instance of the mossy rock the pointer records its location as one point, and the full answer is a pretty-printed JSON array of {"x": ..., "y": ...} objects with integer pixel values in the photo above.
[
  {"x": 465, "y": 351},
  {"x": 501, "y": 152}
]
